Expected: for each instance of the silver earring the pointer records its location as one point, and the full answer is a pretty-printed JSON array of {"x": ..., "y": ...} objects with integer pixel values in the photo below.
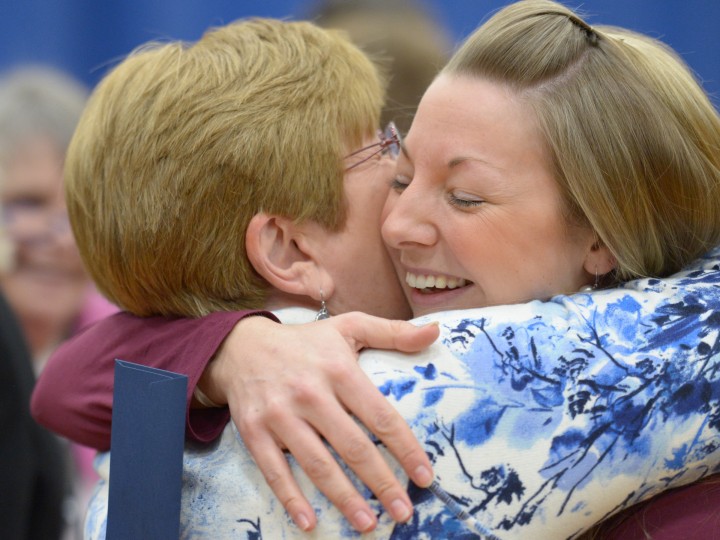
[
  {"x": 323, "y": 313},
  {"x": 591, "y": 288}
]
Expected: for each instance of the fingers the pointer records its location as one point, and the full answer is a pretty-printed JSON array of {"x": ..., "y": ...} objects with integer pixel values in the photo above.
[
  {"x": 361, "y": 330},
  {"x": 363, "y": 457},
  {"x": 325, "y": 414},
  {"x": 273, "y": 464},
  {"x": 299, "y": 403},
  {"x": 322, "y": 412},
  {"x": 363, "y": 399},
  {"x": 411, "y": 338},
  {"x": 357, "y": 450},
  {"x": 322, "y": 470}
]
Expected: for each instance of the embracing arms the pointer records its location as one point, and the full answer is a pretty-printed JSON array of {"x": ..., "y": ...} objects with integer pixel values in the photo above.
[
  {"x": 620, "y": 364},
  {"x": 281, "y": 396},
  {"x": 73, "y": 396},
  {"x": 540, "y": 419}
]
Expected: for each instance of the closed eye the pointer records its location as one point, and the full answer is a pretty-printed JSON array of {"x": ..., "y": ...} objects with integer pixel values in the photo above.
[
  {"x": 464, "y": 200},
  {"x": 399, "y": 183}
]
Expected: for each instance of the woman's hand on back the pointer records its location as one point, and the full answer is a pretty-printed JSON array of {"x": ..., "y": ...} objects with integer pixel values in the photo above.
[{"x": 291, "y": 386}]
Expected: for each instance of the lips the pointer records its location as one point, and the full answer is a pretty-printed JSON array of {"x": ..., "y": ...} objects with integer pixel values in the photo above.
[{"x": 434, "y": 281}]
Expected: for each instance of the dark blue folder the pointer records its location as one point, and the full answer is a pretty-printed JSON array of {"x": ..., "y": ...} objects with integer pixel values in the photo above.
[{"x": 148, "y": 432}]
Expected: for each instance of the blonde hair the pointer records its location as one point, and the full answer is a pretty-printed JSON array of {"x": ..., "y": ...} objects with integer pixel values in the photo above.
[
  {"x": 181, "y": 145},
  {"x": 634, "y": 139}
]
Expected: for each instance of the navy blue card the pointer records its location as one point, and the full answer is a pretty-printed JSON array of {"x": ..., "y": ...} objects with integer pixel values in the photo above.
[{"x": 148, "y": 432}]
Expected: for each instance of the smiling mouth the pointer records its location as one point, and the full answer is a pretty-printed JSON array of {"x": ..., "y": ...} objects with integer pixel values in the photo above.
[{"x": 430, "y": 284}]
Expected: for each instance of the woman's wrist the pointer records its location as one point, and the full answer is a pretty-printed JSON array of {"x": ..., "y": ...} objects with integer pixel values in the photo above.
[
  {"x": 211, "y": 390},
  {"x": 201, "y": 399}
]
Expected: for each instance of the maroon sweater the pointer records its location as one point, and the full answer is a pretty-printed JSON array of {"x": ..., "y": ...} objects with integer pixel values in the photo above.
[{"x": 73, "y": 396}]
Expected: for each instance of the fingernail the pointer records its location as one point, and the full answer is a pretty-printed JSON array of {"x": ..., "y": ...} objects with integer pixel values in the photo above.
[
  {"x": 363, "y": 521},
  {"x": 303, "y": 522},
  {"x": 400, "y": 511},
  {"x": 422, "y": 477}
]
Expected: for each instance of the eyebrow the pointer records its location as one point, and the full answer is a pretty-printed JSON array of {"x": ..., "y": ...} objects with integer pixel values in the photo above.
[
  {"x": 462, "y": 159},
  {"x": 455, "y": 161}
]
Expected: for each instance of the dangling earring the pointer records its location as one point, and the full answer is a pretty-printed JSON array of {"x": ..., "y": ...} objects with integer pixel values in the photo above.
[
  {"x": 323, "y": 313},
  {"x": 591, "y": 288}
]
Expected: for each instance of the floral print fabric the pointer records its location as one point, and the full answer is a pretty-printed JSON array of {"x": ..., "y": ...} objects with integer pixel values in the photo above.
[{"x": 540, "y": 419}]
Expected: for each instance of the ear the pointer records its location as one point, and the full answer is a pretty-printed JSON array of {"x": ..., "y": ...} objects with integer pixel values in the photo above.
[
  {"x": 283, "y": 253},
  {"x": 599, "y": 260}
]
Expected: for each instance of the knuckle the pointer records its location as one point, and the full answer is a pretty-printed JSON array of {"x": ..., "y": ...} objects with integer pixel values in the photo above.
[
  {"x": 274, "y": 412},
  {"x": 290, "y": 502},
  {"x": 385, "y": 421},
  {"x": 411, "y": 455},
  {"x": 357, "y": 450},
  {"x": 305, "y": 394},
  {"x": 318, "y": 468},
  {"x": 352, "y": 317},
  {"x": 274, "y": 479},
  {"x": 385, "y": 488},
  {"x": 248, "y": 426},
  {"x": 395, "y": 326},
  {"x": 347, "y": 501},
  {"x": 340, "y": 371},
  {"x": 350, "y": 320}
]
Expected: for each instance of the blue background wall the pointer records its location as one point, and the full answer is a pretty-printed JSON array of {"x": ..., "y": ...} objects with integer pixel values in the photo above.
[{"x": 86, "y": 37}]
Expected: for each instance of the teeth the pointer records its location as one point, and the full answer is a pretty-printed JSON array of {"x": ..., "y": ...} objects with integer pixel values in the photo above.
[{"x": 439, "y": 282}]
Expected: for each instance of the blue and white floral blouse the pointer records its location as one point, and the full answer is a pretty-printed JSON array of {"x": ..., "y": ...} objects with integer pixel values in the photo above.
[{"x": 540, "y": 419}]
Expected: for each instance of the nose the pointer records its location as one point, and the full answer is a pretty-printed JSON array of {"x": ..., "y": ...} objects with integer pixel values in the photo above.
[{"x": 410, "y": 219}]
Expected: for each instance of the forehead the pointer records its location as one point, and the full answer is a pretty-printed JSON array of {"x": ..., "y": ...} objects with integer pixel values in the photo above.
[
  {"x": 35, "y": 164},
  {"x": 478, "y": 135},
  {"x": 467, "y": 114}
]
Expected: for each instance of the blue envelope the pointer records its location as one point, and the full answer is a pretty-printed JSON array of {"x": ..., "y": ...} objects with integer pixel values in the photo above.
[{"x": 148, "y": 432}]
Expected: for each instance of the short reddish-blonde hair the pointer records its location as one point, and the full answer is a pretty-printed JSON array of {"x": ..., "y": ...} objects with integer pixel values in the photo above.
[{"x": 180, "y": 145}]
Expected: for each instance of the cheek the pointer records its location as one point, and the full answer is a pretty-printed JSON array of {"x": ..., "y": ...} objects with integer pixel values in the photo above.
[
  {"x": 376, "y": 208},
  {"x": 495, "y": 249},
  {"x": 74, "y": 260},
  {"x": 387, "y": 206}
]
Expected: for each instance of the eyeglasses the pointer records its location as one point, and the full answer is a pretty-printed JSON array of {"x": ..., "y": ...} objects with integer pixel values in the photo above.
[{"x": 389, "y": 144}]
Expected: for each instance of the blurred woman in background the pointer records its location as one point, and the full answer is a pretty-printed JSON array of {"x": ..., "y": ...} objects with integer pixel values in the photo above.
[{"x": 43, "y": 279}]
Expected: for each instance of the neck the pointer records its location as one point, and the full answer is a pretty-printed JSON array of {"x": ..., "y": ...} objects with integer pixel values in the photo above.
[{"x": 280, "y": 300}]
